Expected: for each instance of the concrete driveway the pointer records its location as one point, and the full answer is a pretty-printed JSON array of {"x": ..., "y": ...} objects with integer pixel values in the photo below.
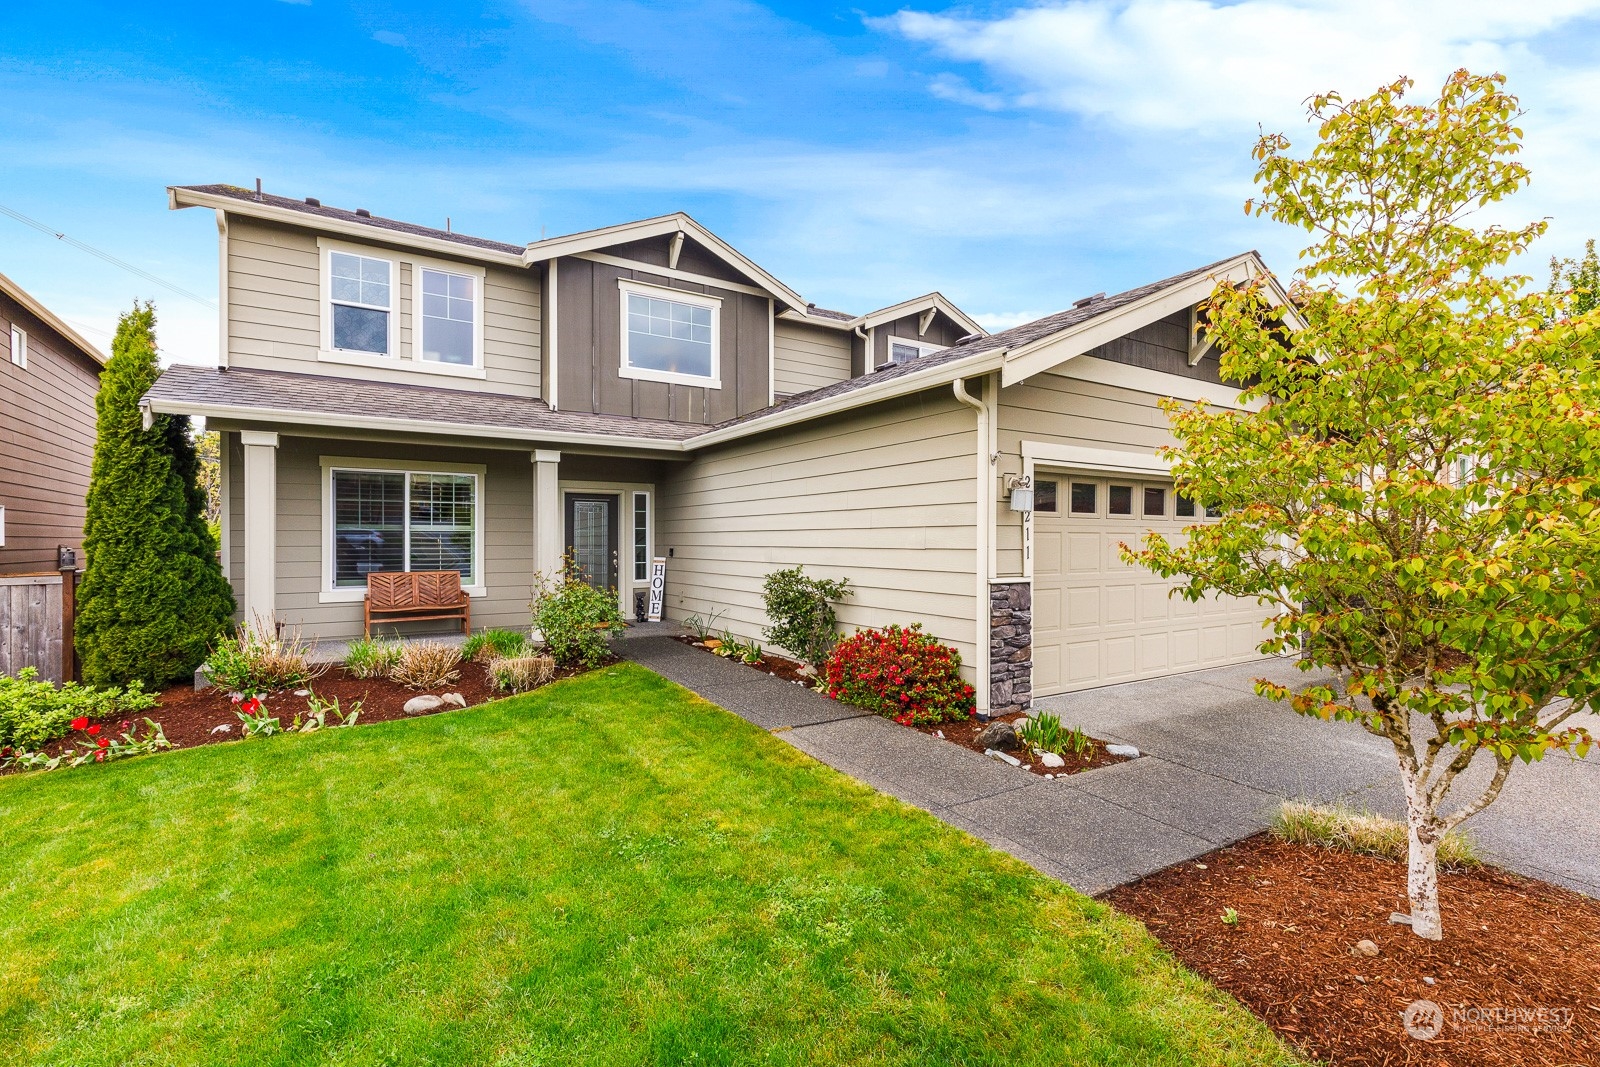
[{"x": 1218, "y": 759}]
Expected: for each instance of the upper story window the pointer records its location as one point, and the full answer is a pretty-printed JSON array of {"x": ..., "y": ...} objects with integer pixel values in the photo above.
[
  {"x": 669, "y": 336},
  {"x": 361, "y": 292},
  {"x": 449, "y": 303},
  {"x": 19, "y": 346},
  {"x": 366, "y": 292},
  {"x": 904, "y": 350}
]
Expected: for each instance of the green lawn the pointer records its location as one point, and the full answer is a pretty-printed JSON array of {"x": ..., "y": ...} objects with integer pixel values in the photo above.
[{"x": 607, "y": 871}]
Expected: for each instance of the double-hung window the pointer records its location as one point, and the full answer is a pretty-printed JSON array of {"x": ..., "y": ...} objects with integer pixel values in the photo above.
[
  {"x": 403, "y": 520},
  {"x": 361, "y": 303},
  {"x": 904, "y": 350},
  {"x": 670, "y": 336},
  {"x": 449, "y": 317}
]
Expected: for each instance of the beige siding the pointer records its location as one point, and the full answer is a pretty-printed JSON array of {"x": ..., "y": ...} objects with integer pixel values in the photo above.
[
  {"x": 508, "y": 532},
  {"x": 1060, "y": 410},
  {"x": 274, "y": 315},
  {"x": 883, "y": 497},
  {"x": 808, "y": 357}
]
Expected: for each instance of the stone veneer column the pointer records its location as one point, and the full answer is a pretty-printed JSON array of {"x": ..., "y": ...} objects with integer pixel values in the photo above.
[{"x": 1010, "y": 647}]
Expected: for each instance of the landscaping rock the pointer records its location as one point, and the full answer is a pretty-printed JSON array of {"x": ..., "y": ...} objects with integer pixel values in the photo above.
[
  {"x": 1050, "y": 759},
  {"x": 420, "y": 704},
  {"x": 225, "y": 728},
  {"x": 1001, "y": 736},
  {"x": 455, "y": 700},
  {"x": 1127, "y": 751},
  {"x": 302, "y": 692},
  {"x": 1365, "y": 948},
  {"x": 1003, "y": 756}
]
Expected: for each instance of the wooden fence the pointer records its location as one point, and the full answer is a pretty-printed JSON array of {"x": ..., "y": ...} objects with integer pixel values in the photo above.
[{"x": 36, "y": 624}]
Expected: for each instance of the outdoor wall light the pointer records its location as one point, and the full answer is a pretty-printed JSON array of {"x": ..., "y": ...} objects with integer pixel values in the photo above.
[{"x": 1021, "y": 493}]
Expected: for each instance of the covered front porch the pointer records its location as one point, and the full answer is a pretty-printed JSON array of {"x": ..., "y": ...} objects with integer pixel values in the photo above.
[{"x": 308, "y": 515}]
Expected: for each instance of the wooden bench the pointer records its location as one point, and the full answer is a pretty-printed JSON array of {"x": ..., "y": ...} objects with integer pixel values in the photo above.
[{"x": 413, "y": 596}]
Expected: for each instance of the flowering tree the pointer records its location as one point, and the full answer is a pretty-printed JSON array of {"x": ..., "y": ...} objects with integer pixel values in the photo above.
[{"x": 1416, "y": 489}]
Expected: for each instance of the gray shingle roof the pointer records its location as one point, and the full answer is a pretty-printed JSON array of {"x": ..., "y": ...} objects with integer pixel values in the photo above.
[
  {"x": 316, "y": 394},
  {"x": 344, "y": 215}
]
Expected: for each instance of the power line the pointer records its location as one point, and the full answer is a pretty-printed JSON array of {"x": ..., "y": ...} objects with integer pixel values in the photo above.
[{"x": 107, "y": 256}]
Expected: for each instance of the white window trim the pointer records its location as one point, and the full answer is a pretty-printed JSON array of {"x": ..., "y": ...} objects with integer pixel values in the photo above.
[
  {"x": 662, "y": 292},
  {"x": 479, "y": 276},
  {"x": 400, "y": 357},
  {"x": 331, "y": 594},
  {"x": 19, "y": 346},
  {"x": 922, "y": 347}
]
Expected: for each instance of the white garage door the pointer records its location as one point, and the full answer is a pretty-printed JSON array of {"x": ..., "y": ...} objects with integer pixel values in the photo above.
[{"x": 1097, "y": 620}]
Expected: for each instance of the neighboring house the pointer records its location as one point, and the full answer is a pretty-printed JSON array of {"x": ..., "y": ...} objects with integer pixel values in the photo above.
[
  {"x": 48, "y": 379},
  {"x": 394, "y": 396}
]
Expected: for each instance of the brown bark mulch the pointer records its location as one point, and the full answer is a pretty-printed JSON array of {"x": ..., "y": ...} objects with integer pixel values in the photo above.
[
  {"x": 1516, "y": 979},
  {"x": 966, "y": 734},
  {"x": 189, "y": 717},
  {"x": 777, "y": 666}
]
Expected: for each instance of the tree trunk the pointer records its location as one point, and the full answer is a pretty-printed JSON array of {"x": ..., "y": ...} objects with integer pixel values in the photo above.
[{"x": 1422, "y": 868}]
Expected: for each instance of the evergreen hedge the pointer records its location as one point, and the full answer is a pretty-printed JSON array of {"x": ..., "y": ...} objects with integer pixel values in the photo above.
[{"x": 153, "y": 596}]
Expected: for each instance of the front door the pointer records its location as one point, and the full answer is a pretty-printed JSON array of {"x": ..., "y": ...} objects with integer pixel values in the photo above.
[{"x": 592, "y": 537}]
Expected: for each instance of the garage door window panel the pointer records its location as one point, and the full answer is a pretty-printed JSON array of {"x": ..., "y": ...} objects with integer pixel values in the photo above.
[
  {"x": 1085, "y": 498},
  {"x": 1119, "y": 500}
]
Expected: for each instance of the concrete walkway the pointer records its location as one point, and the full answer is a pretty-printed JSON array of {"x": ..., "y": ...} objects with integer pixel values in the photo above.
[{"x": 1219, "y": 760}]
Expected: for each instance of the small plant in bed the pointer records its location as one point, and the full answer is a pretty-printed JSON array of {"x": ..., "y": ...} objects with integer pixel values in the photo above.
[
  {"x": 802, "y": 614},
  {"x": 518, "y": 674},
  {"x": 489, "y": 645},
  {"x": 427, "y": 665},
  {"x": 94, "y": 745},
  {"x": 902, "y": 673},
  {"x": 372, "y": 657},
  {"x": 34, "y": 713},
  {"x": 576, "y": 619},
  {"x": 258, "y": 658},
  {"x": 1044, "y": 733}
]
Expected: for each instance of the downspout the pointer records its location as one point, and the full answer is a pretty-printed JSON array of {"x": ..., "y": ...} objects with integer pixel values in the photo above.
[
  {"x": 984, "y": 531},
  {"x": 866, "y": 350}
]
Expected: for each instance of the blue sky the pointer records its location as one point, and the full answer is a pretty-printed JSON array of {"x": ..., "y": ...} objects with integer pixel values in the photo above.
[{"x": 1015, "y": 157}]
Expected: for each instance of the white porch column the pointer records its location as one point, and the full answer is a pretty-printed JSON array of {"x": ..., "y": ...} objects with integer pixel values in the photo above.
[
  {"x": 547, "y": 540},
  {"x": 260, "y": 524}
]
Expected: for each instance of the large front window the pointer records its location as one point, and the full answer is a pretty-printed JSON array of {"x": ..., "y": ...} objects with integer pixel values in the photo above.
[
  {"x": 448, "y": 300},
  {"x": 403, "y": 521},
  {"x": 360, "y": 288},
  {"x": 668, "y": 339}
]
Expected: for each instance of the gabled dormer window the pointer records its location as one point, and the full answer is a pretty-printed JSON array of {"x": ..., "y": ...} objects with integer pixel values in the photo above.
[
  {"x": 361, "y": 302},
  {"x": 904, "y": 350},
  {"x": 670, "y": 336}
]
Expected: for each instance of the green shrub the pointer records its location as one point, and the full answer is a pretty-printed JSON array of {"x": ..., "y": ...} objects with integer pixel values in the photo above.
[
  {"x": 257, "y": 659},
  {"x": 494, "y": 644},
  {"x": 902, "y": 673},
  {"x": 801, "y": 610},
  {"x": 34, "y": 713},
  {"x": 575, "y": 618},
  {"x": 153, "y": 594},
  {"x": 371, "y": 657}
]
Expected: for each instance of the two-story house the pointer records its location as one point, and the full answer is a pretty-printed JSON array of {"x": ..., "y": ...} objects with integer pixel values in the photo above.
[{"x": 393, "y": 396}]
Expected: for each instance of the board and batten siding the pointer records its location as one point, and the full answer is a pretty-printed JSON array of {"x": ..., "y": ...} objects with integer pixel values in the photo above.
[
  {"x": 884, "y": 497},
  {"x": 807, "y": 357},
  {"x": 1056, "y": 409},
  {"x": 943, "y": 331},
  {"x": 47, "y": 433},
  {"x": 275, "y": 318},
  {"x": 507, "y": 540}
]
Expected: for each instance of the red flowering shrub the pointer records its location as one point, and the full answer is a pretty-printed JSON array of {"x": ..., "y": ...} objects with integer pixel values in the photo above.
[{"x": 902, "y": 673}]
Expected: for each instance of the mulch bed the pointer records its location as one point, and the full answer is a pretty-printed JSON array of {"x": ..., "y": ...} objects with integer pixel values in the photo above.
[
  {"x": 189, "y": 717},
  {"x": 1516, "y": 978},
  {"x": 964, "y": 734}
]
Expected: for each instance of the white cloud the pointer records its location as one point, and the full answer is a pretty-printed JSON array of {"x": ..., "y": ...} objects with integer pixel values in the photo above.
[
  {"x": 1198, "y": 65},
  {"x": 389, "y": 37}
]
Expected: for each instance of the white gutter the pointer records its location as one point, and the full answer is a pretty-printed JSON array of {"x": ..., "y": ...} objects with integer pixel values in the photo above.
[{"x": 983, "y": 528}]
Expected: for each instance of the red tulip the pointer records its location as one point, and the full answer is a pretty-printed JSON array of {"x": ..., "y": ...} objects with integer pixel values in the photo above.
[
  {"x": 93, "y": 730},
  {"x": 104, "y": 742},
  {"x": 80, "y": 722}
]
